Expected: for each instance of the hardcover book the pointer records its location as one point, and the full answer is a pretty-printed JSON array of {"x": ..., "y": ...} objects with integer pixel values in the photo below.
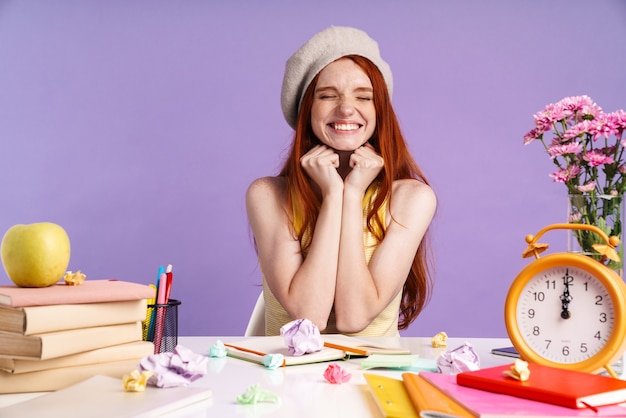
[
  {"x": 429, "y": 394},
  {"x": 31, "y": 320},
  {"x": 89, "y": 291},
  {"x": 62, "y": 343},
  {"x": 55, "y": 379},
  {"x": 569, "y": 388},
  {"x": 485, "y": 404},
  {"x": 127, "y": 351}
]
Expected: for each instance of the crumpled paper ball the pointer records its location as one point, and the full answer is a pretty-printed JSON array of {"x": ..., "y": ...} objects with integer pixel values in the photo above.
[
  {"x": 519, "y": 371},
  {"x": 336, "y": 374},
  {"x": 178, "y": 368},
  {"x": 218, "y": 350},
  {"x": 136, "y": 381},
  {"x": 273, "y": 361},
  {"x": 439, "y": 340},
  {"x": 461, "y": 359},
  {"x": 302, "y": 337},
  {"x": 74, "y": 279},
  {"x": 254, "y": 394}
]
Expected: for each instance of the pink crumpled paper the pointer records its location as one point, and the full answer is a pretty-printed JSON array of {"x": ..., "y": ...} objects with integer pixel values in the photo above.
[
  {"x": 461, "y": 359},
  {"x": 178, "y": 368},
  {"x": 302, "y": 337},
  {"x": 336, "y": 374}
]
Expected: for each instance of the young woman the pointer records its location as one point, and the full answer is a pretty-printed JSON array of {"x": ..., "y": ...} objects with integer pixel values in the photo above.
[{"x": 340, "y": 231}]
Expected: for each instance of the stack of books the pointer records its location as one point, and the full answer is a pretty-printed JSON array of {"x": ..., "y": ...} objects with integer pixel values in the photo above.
[{"x": 56, "y": 336}]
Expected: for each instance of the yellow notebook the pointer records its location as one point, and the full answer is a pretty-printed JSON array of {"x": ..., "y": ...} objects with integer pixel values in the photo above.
[
  {"x": 391, "y": 396},
  {"x": 412, "y": 397}
]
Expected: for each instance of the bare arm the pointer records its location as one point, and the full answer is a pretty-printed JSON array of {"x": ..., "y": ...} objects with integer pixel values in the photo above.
[
  {"x": 304, "y": 287},
  {"x": 362, "y": 290}
]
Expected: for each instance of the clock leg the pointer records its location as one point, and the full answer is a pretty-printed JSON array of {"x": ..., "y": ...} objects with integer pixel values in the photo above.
[
  {"x": 611, "y": 372},
  {"x": 618, "y": 369}
]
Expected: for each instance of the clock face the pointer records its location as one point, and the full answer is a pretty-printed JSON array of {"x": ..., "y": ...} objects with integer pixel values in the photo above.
[{"x": 565, "y": 314}]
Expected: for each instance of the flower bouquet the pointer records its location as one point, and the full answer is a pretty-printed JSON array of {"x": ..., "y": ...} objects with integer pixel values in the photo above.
[{"x": 587, "y": 147}]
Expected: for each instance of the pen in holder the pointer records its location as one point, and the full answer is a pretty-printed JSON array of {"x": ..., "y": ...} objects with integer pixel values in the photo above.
[{"x": 165, "y": 335}]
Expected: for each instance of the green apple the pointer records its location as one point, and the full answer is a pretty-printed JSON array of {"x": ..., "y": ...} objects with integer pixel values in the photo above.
[{"x": 35, "y": 255}]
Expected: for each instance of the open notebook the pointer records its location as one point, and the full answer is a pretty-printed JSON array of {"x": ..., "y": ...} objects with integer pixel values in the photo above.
[{"x": 336, "y": 347}]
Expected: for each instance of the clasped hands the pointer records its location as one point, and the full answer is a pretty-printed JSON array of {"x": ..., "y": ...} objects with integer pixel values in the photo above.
[{"x": 323, "y": 165}]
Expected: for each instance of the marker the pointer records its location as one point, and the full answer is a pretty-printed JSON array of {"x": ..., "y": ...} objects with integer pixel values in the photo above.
[
  {"x": 160, "y": 314},
  {"x": 170, "y": 277},
  {"x": 151, "y": 327}
]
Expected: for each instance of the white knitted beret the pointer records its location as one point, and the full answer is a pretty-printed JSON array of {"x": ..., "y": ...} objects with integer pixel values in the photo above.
[{"x": 319, "y": 51}]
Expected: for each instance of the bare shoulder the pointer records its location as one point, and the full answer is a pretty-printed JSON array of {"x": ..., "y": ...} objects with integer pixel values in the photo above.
[
  {"x": 412, "y": 189},
  {"x": 410, "y": 196},
  {"x": 266, "y": 187}
]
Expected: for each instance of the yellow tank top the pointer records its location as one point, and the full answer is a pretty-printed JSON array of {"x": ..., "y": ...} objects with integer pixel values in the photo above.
[{"x": 384, "y": 325}]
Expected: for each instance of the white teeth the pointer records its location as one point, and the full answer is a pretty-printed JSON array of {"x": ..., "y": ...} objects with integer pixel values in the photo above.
[{"x": 346, "y": 126}]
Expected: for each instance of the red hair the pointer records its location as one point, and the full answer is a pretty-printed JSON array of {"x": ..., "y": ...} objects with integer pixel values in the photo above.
[{"x": 389, "y": 142}]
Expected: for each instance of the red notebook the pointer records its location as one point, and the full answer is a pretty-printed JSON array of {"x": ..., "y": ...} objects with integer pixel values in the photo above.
[{"x": 553, "y": 385}]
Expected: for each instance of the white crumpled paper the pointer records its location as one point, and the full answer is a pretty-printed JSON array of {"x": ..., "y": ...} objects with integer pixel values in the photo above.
[
  {"x": 461, "y": 359},
  {"x": 302, "y": 337},
  {"x": 178, "y": 368}
]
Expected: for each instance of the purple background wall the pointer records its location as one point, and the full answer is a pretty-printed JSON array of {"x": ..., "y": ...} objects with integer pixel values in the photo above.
[{"x": 138, "y": 125}]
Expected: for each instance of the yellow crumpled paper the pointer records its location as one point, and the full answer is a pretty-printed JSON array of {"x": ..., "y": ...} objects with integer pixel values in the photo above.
[
  {"x": 74, "y": 279},
  {"x": 135, "y": 381},
  {"x": 439, "y": 340},
  {"x": 519, "y": 371}
]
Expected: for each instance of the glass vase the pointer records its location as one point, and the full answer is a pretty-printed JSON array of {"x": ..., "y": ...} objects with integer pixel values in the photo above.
[
  {"x": 603, "y": 211},
  {"x": 607, "y": 213}
]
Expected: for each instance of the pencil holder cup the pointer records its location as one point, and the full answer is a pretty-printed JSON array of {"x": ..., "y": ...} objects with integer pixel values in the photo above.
[{"x": 163, "y": 329}]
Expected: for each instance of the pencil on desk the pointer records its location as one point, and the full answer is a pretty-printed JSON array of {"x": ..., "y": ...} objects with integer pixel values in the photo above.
[{"x": 353, "y": 350}]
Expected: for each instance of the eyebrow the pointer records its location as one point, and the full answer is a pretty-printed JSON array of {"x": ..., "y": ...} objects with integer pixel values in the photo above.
[{"x": 358, "y": 89}]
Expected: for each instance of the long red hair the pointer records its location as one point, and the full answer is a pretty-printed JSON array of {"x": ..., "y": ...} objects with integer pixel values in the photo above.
[{"x": 389, "y": 142}]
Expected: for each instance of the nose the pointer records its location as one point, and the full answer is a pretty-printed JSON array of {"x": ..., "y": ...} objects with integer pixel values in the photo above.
[{"x": 345, "y": 107}]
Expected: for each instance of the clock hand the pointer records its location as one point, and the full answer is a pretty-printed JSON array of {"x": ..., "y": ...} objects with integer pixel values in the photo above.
[{"x": 566, "y": 298}]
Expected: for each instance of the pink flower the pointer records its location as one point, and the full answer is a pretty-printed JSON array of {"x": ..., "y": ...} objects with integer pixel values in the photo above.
[
  {"x": 604, "y": 126},
  {"x": 587, "y": 187},
  {"x": 336, "y": 374},
  {"x": 575, "y": 217},
  {"x": 562, "y": 149},
  {"x": 584, "y": 138},
  {"x": 578, "y": 129},
  {"x": 596, "y": 158},
  {"x": 618, "y": 119},
  {"x": 565, "y": 174},
  {"x": 532, "y": 135}
]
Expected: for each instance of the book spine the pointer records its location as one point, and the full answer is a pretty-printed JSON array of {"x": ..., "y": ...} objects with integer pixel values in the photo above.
[
  {"x": 138, "y": 349},
  {"x": 91, "y": 291},
  {"x": 61, "y": 343},
  {"x": 54, "y": 379},
  {"x": 44, "y": 319}
]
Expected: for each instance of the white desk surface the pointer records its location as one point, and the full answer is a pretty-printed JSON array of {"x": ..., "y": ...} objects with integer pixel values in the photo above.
[{"x": 302, "y": 390}]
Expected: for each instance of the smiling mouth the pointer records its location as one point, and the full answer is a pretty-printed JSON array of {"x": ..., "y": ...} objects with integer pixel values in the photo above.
[{"x": 345, "y": 126}]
